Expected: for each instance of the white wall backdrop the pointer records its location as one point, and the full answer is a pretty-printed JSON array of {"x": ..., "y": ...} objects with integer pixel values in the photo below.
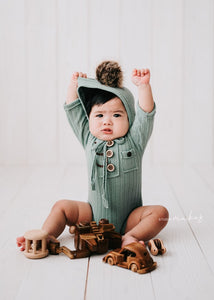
[{"x": 43, "y": 41}]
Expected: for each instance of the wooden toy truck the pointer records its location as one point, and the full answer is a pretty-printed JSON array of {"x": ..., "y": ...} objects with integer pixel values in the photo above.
[{"x": 90, "y": 238}]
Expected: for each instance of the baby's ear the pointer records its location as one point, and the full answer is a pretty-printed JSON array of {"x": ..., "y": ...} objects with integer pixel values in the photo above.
[{"x": 110, "y": 73}]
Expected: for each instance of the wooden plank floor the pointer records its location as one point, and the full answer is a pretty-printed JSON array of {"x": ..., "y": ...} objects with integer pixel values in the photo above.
[{"x": 184, "y": 272}]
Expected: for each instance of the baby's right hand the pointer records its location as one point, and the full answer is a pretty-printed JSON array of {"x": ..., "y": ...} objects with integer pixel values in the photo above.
[
  {"x": 74, "y": 78},
  {"x": 73, "y": 85}
]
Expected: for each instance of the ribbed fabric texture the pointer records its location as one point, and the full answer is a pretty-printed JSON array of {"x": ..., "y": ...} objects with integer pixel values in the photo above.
[{"x": 113, "y": 195}]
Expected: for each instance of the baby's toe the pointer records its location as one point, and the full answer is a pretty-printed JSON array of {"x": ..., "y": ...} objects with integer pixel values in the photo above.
[{"x": 20, "y": 239}]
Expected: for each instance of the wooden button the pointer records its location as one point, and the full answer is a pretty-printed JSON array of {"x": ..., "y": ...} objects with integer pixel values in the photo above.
[
  {"x": 110, "y": 167},
  {"x": 109, "y": 153},
  {"x": 110, "y": 143},
  {"x": 129, "y": 154}
]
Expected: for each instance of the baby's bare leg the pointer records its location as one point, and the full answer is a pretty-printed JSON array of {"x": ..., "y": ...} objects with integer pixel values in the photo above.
[
  {"x": 144, "y": 223},
  {"x": 66, "y": 212}
]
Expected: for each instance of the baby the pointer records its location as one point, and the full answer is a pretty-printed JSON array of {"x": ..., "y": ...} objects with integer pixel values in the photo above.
[{"x": 102, "y": 115}]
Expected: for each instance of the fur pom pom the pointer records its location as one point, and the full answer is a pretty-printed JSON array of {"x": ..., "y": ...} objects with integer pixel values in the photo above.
[{"x": 110, "y": 73}]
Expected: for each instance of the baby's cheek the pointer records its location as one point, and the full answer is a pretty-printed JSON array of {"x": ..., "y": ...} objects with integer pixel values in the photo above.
[{"x": 93, "y": 128}]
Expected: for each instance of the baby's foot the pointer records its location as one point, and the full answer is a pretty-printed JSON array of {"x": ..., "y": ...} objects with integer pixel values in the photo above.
[
  {"x": 128, "y": 239},
  {"x": 72, "y": 229},
  {"x": 20, "y": 241}
]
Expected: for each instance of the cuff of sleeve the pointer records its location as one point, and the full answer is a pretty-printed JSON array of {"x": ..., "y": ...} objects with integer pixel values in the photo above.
[
  {"x": 147, "y": 114},
  {"x": 72, "y": 104}
]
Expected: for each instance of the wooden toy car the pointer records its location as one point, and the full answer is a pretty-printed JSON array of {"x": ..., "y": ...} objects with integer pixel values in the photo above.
[
  {"x": 90, "y": 238},
  {"x": 156, "y": 247},
  {"x": 133, "y": 256}
]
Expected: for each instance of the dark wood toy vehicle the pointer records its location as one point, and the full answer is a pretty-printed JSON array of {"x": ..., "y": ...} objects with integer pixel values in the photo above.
[
  {"x": 90, "y": 238},
  {"x": 133, "y": 256}
]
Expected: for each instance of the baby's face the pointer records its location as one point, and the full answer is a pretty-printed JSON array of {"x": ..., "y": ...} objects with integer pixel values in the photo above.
[{"x": 109, "y": 121}]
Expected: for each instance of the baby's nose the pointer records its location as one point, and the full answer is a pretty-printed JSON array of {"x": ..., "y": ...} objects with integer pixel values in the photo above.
[{"x": 107, "y": 121}]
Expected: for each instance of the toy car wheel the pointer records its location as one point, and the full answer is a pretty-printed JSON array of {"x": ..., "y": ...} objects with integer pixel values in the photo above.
[
  {"x": 110, "y": 261},
  {"x": 134, "y": 268}
]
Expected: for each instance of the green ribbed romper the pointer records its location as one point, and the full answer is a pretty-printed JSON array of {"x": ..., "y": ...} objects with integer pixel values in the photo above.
[{"x": 115, "y": 177}]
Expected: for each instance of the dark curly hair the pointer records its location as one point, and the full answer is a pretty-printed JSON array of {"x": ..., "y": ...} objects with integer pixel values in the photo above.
[{"x": 97, "y": 97}]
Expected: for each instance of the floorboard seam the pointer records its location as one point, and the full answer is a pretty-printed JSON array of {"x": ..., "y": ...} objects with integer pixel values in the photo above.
[
  {"x": 153, "y": 287},
  {"x": 86, "y": 282}
]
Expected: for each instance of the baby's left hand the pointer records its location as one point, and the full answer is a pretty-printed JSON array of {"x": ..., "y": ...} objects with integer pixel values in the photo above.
[{"x": 140, "y": 76}]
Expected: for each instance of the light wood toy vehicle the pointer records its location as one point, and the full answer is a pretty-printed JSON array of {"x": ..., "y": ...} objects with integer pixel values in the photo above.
[
  {"x": 36, "y": 244},
  {"x": 134, "y": 256}
]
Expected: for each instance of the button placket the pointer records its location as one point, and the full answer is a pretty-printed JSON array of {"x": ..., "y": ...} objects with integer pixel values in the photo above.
[
  {"x": 110, "y": 167},
  {"x": 110, "y": 143},
  {"x": 109, "y": 154}
]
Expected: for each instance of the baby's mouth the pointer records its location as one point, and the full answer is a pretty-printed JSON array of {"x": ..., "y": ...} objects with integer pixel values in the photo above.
[{"x": 107, "y": 131}]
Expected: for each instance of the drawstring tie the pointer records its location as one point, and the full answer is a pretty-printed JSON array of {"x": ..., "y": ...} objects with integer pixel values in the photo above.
[{"x": 101, "y": 148}]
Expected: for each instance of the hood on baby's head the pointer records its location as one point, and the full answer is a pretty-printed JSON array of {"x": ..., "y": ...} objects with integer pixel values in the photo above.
[{"x": 109, "y": 78}]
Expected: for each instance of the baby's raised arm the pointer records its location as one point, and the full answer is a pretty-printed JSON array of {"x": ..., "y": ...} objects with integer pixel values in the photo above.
[
  {"x": 73, "y": 85},
  {"x": 141, "y": 79}
]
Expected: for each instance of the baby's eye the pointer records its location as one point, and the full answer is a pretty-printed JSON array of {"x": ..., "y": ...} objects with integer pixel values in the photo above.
[
  {"x": 99, "y": 115},
  {"x": 117, "y": 115}
]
